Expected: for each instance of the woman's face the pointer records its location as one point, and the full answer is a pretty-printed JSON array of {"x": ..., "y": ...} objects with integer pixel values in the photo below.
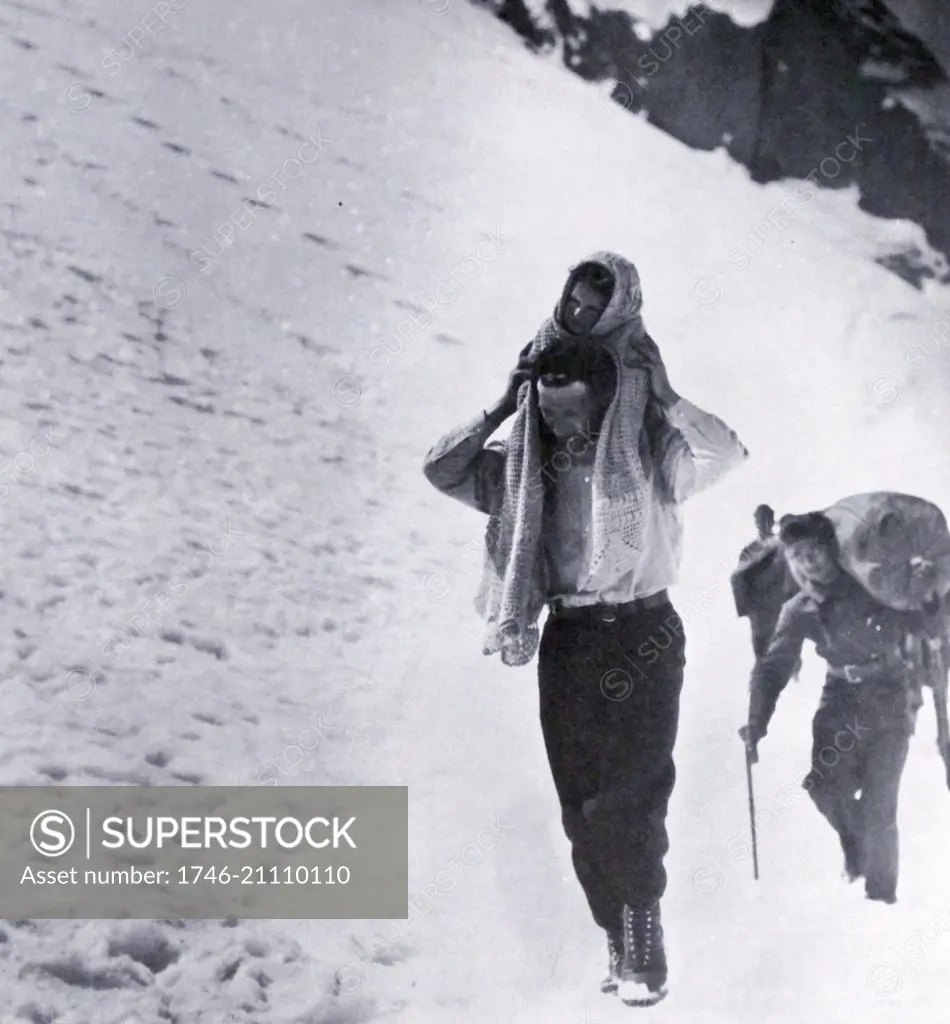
[{"x": 583, "y": 308}]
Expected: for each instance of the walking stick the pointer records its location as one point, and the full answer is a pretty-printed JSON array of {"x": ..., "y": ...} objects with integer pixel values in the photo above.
[
  {"x": 748, "y": 776},
  {"x": 939, "y": 691},
  {"x": 935, "y": 642}
]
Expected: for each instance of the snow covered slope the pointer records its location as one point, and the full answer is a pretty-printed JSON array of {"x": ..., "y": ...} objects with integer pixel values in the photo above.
[{"x": 206, "y": 380}]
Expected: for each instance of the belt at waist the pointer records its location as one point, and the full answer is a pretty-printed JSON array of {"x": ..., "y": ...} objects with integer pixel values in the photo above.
[
  {"x": 869, "y": 670},
  {"x": 609, "y": 612}
]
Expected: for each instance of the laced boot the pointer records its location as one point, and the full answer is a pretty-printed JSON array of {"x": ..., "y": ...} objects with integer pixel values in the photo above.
[
  {"x": 643, "y": 970},
  {"x": 614, "y": 962}
]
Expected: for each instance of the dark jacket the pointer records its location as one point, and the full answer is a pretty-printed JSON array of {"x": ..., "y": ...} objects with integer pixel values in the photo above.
[
  {"x": 848, "y": 627},
  {"x": 761, "y": 578}
]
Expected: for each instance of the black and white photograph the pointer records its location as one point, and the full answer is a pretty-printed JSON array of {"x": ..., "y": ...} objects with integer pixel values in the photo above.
[{"x": 510, "y": 439}]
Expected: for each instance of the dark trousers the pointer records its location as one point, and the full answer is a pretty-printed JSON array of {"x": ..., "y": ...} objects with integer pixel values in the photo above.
[
  {"x": 609, "y": 700},
  {"x": 861, "y": 735}
]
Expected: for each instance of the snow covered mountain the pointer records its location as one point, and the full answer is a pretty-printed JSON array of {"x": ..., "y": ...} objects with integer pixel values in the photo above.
[
  {"x": 778, "y": 93},
  {"x": 254, "y": 260}
]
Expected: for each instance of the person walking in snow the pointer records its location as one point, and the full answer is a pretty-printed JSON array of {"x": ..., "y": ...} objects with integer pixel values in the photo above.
[
  {"x": 764, "y": 518},
  {"x": 583, "y": 500},
  {"x": 862, "y": 729},
  {"x": 762, "y": 583}
]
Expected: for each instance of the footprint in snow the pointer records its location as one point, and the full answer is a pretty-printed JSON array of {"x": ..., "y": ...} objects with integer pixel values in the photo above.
[
  {"x": 86, "y": 275},
  {"x": 347, "y": 162},
  {"x": 73, "y": 971},
  {"x": 207, "y": 718},
  {"x": 320, "y": 240},
  {"x": 197, "y": 406},
  {"x": 409, "y": 306},
  {"x": 358, "y": 271},
  {"x": 315, "y": 346},
  {"x": 209, "y": 646},
  {"x": 145, "y": 944},
  {"x": 116, "y": 778}
]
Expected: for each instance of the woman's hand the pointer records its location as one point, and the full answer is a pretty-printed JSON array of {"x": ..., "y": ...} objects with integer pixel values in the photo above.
[
  {"x": 647, "y": 355},
  {"x": 507, "y": 405}
]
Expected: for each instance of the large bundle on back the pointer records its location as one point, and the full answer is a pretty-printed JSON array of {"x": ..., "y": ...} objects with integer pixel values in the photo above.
[{"x": 897, "y": 546}]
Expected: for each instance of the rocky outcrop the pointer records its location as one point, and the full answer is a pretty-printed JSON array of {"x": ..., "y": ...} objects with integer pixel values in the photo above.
[{"x": 837, "y": 91}]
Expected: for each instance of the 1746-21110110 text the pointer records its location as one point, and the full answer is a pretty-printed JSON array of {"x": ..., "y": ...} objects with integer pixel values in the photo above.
[{"x": 245, "y": 874}]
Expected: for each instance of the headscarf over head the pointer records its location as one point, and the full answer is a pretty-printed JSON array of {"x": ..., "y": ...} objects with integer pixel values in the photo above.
[{"x": 514, "y": 582}]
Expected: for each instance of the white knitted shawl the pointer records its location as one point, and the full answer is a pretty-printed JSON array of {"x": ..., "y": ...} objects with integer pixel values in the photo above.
[{"x": 514, "y": 585}]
